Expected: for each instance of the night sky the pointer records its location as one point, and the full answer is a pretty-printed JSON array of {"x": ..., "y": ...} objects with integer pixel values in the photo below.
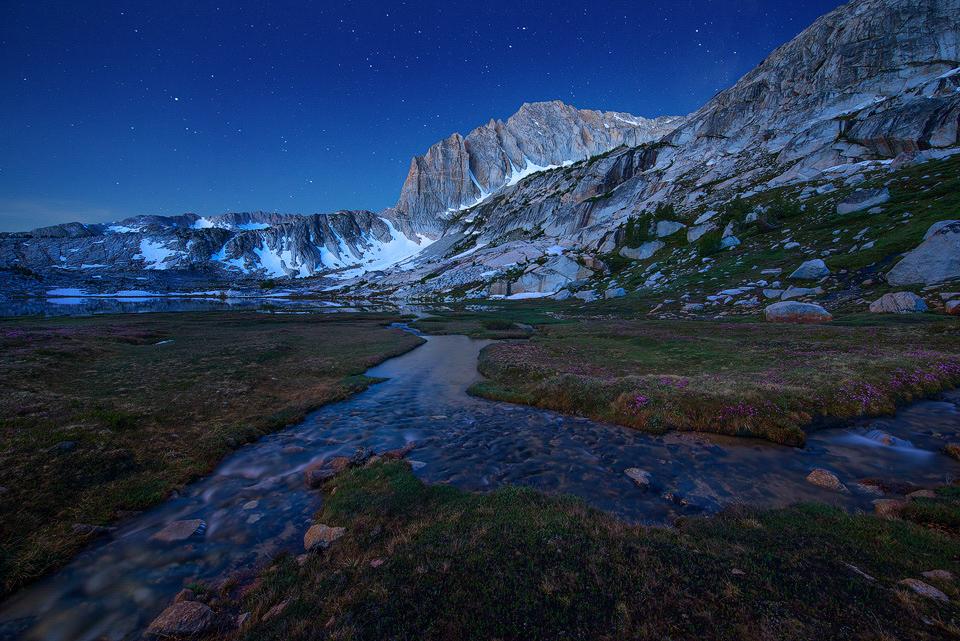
[{"x": 111, "y": 109}]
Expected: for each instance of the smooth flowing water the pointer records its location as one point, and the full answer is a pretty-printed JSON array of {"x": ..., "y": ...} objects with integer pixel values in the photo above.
[{"x": 255, "y": 504}]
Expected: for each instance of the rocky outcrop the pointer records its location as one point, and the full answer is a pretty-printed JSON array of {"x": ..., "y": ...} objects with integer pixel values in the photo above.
[
  {"x": 935, "y": 260},
  {"x": 863, "y": 199},
  {"x": 459, "y": 171}
]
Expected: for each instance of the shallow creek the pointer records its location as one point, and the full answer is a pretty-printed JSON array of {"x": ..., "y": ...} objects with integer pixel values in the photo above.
[{"x": 255, "y": 504}]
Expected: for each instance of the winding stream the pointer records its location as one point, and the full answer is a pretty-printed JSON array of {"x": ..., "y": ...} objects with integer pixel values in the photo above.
[{"x": 255, "y": 503}]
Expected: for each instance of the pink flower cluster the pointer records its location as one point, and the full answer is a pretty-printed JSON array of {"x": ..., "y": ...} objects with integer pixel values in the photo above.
[
  {"x": 639, "y": 402},
  {"x": 739, "y": 410}
]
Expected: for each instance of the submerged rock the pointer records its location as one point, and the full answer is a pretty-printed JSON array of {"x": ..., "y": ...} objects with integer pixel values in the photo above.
[
  {"x": 898, "y": 303},
  {"x": 640, "y": 477},
  {"x": 179, "y": 531},
  {"x": 794, "y": 312},
  {"x": 826, "y": 479}
]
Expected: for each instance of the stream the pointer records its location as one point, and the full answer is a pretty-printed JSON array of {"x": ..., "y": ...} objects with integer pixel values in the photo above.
[{"x": 256, "y": 505}]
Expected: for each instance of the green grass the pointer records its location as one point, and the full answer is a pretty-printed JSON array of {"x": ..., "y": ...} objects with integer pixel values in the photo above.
[
  {"x": 100, "y": 416},
  {"x": 741, "y": 378},
  {"x": 434, "y": 563}
]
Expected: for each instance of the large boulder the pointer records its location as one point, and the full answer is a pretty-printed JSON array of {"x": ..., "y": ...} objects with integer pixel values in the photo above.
[
  {"x": 935, "y": 260},
  {"x": 643, "y": 252},
  {"x": 696, "y": 233},
  {"x": 898, "y": 303},
  {"x": 863, "y": 199},
  {"x": 811, "y": 270},
  {"x": 182, "y": 620},
  {"x": 794, "y": 312}
]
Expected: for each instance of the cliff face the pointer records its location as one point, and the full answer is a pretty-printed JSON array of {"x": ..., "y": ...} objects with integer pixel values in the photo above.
[{"x": 460, "y": 171}]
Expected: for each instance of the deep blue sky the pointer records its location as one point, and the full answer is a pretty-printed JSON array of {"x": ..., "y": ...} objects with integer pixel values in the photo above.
[{"x": 109, "y": 109}]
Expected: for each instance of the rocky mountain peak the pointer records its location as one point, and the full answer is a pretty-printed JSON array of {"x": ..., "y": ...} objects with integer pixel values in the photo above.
[{"x": 460, "y": 171}]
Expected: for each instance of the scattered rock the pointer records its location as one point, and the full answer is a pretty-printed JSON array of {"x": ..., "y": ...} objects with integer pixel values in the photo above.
[
  {"x": 898, "y": 303},
  {"x": 693, "y": 307},
  {"x": 811, "y": 270},
  {"x": 888, "y": 508},
  {"x": 182, "y": 620},
  {"x": 180, "y": 531},
  {"x": 925, "y": 589},
  {"x": 615, "y": 292},
  {"x": 863, "y": 199},
  {"x": 826, "y": 479},
  {"x": 772, "y": 293},
  {"x": 563, "y": 294},
  {"x": 794, "y": 312},
  {"x": 320, "y": 536},
  {"x": 640, "y": 477},
  {"x": 797, "y": 292},
  {"x": 587, "y": 296}
]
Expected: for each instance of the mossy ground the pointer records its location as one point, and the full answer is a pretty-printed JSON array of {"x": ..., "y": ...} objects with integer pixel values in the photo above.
[
  {"x": 106, "y": 414},
  {"x": 434, "y": 563},
  {"x": 741, "y": 378}
]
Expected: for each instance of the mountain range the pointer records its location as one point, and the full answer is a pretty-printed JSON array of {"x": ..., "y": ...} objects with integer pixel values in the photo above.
[{"x": 541, "y": 204}]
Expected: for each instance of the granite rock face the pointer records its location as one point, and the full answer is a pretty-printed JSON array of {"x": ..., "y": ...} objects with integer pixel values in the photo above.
[{"x": 461, "y": 171}]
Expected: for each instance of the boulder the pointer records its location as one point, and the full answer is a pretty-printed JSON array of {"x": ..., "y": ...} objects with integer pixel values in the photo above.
[
  {"x": 615, "y": 292},
  {"x": 729, "y": 242},
  {"x": 935, "y": 260},
  {"x": 898, "y": 303},
  {"x": 587, "y": 296},
  {"x": 563, "y": 294},
  {"x": 924, "y": 589},
  {"x": 811, "y": 270},
  {"x": 772, "y": 293},
  {"x": 319, "y": 472},
  {"x": 863, "y": 199},
  {"x": 179, "y": 531},
  {"x": 640, "y": 477},
  {"x": 938, "y": 575},
  {"x": 555, "y": 273},
  {"x": 826, "y": 479},
  {"x": 953, "y": 307},
  {"x": 182, "y": 620},
  {"x": 320, "y": 536},
  {"x": 643, "y": 252},
  {"x": 794, "y": 312},
  {"x": 668, "y": 228},
  {"x": 935, "y": 227}
]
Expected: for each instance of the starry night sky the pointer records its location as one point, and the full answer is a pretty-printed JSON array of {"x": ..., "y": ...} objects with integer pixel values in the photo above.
[{"x": 110, "y": 109}]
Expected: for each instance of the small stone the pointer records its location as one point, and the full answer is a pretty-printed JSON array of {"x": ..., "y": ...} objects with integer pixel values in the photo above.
[
  {"x": 925, "y": 589},
  {"x": 182, "y": 620},
  {"x": 250, "y": 505},
  {"x": 737, "y": 572},
  {"x": 375, "y": 563},
  {"x": 242, "y": 619},
  {"x": 826, "y": 479},
  {"x": 938, "y": 575},
  {"x": 922, "y": 494},
  {"x": 638, "y": 476},
  {"x": 276, "y": 610},
  {"x": 615, "y": 292},
  {"x": 320, "y": 536},
  {"x": 179, "y": 531}
]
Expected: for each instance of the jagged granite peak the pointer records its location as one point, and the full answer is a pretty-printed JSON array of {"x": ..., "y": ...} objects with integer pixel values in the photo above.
[{"x": 460, "y": 171}]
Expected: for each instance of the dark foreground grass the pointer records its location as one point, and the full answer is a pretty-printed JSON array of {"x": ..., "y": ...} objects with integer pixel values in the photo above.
[
  {"x": 741, "y": 378},
  {"x": 434, "y": 563},
  {"x": 106, "y": 414}
]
